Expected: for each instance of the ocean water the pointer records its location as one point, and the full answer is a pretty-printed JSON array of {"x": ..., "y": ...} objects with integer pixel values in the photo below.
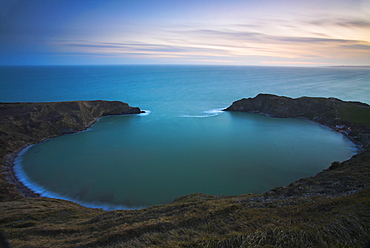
[{"x": 184, "y": 143}]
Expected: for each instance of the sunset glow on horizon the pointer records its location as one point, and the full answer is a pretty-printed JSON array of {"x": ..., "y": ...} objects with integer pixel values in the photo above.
[{"x": 236, "y": 32}]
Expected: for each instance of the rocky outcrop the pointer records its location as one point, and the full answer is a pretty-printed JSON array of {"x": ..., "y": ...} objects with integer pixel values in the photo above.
[
  {"x": 22, "y": 124},
  {"x": 351, "y": 118}
]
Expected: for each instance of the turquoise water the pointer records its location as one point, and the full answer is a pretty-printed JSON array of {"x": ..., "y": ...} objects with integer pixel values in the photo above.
[{"x": 184, "y": 143}]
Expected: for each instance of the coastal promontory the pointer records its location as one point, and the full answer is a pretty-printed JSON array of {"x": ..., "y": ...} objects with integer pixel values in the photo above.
[
  {"x": 23, "y": 124},
  {"x": 330, "y": 209},
  {"x": 350, "y": 118}
]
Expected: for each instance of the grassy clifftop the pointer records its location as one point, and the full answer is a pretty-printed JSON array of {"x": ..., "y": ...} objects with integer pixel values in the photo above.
[{"x": 331, "y": 209}]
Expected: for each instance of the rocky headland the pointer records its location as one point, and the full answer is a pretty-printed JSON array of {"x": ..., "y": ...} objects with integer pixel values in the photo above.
[
  {"x": 23, "y": 124},
  {"x": 331, "y": 209},
  {"x": 350, "y": 118}
]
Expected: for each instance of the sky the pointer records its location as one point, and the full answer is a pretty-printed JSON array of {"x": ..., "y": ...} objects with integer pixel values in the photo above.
[{"x": 217, "y": 32}]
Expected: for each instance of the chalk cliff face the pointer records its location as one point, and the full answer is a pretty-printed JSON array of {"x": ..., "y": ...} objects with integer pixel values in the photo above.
[
  {"x": 22, "y": 124},
  {"x": 353, "y": 118}
]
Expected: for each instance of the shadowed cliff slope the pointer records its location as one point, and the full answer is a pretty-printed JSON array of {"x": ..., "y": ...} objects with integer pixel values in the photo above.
[{"x": 331, "y": 209}]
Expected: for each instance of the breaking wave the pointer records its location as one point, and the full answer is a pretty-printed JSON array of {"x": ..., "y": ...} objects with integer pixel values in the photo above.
[
  {"x": 146, "y": 112},
  {"x": 208, "y": 113}
]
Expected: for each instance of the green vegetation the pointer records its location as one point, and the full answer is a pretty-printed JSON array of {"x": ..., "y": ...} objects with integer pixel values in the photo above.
[
  {"x": 232, "y": 222},
  {"x": 355, "y": 114},
  {"x": 331, "y": 209}
]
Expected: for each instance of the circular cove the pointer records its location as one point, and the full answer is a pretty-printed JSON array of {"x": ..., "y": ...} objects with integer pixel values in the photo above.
[{"x": 138, "y": 161}]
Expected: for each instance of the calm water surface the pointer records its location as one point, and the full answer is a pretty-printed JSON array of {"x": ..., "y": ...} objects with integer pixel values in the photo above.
[{"x": 184, "y": 144}]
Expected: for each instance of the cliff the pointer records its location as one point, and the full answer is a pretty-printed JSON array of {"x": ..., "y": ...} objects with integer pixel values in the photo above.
[
  {"x": 351, "y": 118},
  {"x": 330, "y": 209},
  {"x": 22, "y": 124}
]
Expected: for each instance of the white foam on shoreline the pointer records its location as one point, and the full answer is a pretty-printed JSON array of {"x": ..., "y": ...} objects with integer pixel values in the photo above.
[
  {"x": 146, "y": 112},
  {"x": 208, "y": 113},
  {"x": 34, "y": 187}
]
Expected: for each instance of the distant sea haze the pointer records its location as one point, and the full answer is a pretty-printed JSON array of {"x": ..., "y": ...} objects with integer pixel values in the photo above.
[{"x": 184, "y": 143}]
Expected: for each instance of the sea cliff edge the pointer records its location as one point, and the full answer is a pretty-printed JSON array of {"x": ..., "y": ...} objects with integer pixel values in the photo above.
[{"x": 330, "y": 209}]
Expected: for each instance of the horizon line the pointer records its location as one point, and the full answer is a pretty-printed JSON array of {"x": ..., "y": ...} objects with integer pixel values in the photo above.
[{"x": 165, "y": 64}]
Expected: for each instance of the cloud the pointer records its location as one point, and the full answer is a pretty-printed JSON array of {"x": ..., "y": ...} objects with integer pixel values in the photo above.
[
  {"x": 132, "y": 46},
  {"x": 145, "y": 48},
  {"x": 341, "y": 22},
  {"x": 233, "y": 31},
  {"x": 312, "y": 40},
  {"x": 309, "y": 40},
  {"x": 357, "y": 47},
  {"x": 294, "y": 63},
  {"x": 256, "y": 37}
]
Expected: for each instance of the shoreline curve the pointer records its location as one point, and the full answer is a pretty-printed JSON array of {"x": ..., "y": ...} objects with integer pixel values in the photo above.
[
  {"x": 61, "y": 118},
  {"x": 334, "y": 204},
  {"x": 243, "y": 105}
]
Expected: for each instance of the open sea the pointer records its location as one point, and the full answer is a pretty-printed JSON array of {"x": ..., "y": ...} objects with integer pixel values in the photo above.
[{"x": 184, "y": 143}]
